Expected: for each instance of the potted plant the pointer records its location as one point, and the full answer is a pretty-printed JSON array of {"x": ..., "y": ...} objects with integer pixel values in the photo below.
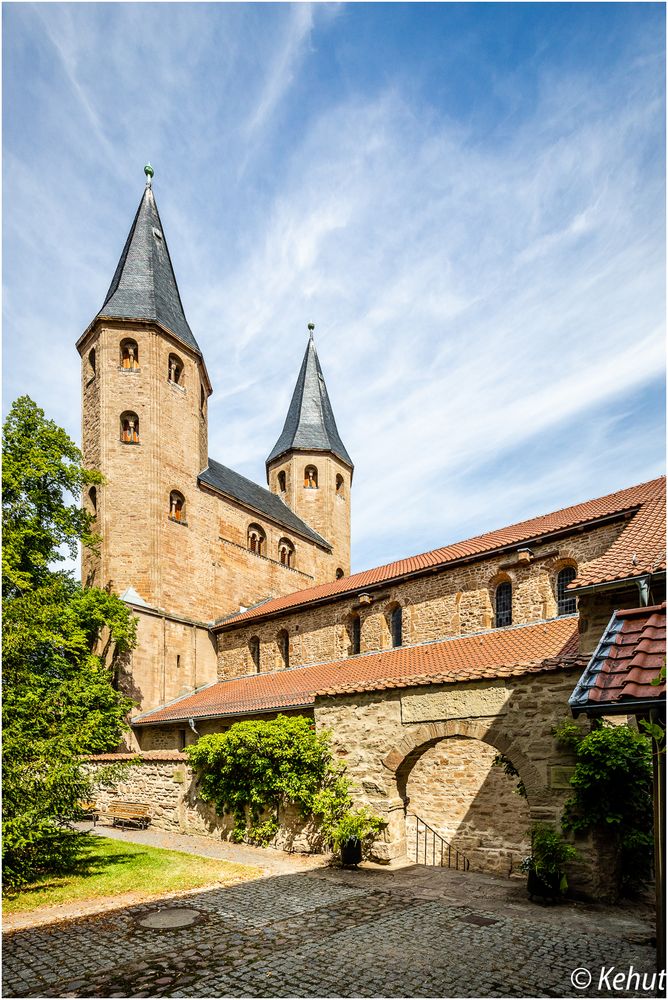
[
  {"x": 545, "y": 865},
  {"x": 350, "y": 832}
]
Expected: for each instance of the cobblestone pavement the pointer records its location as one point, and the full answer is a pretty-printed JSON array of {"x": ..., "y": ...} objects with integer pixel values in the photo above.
[{"x": 332, "y": 933}]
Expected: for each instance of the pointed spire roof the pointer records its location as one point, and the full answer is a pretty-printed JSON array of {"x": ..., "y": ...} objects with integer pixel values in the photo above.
[
  {"x": 310, "y": 423},
  {"x": 144, "y": 286}
]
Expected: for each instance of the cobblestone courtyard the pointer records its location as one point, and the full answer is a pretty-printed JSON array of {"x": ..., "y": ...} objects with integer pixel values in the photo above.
[{"x": 325, "y": 932}]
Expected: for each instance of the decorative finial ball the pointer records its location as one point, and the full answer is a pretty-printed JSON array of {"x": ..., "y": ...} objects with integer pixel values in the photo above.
[
  {"x": 148, "y": 170},
  {"x": 311, "y": 327}
]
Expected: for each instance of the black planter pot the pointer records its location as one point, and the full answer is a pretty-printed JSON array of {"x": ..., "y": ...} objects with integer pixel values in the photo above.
[
  {"x": 351, "y": 852},
  {"x": 545, "y": 886}
]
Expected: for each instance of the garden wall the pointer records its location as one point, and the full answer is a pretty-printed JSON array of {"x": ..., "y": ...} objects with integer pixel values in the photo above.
[{"x": 168, "y": 784}]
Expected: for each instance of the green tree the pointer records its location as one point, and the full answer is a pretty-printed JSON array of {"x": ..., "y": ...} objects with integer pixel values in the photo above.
[{"x": 60, "y": 644}]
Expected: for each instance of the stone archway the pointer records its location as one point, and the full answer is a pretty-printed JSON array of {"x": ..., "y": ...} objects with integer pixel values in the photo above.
[{"x": 404, "y": 756}]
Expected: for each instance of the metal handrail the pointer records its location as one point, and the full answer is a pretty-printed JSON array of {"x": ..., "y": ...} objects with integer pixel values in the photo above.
[{"x": 453, "y": 854}]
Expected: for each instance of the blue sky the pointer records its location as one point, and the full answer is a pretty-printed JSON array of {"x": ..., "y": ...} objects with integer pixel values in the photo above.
[{"x": 467, "y": 199}]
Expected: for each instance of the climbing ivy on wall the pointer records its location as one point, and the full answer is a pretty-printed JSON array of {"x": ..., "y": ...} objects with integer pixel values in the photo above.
[
  {"x": 258, "y": 766},
  {"x": 612, "y": 787}
]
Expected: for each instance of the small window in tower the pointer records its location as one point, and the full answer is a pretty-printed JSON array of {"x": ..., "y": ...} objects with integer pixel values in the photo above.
[
  {"x": 254, "y": 648},
  {"x": 177, "y": 507},
  {"x": 339, "y": 574},
  {"x": 92, "y": 496},
  {"x": 257, "y": 539},
  {"x": 354, "y": 634},
  {"x": 129, "y": 428},
  {"x": 396, "y": 625},
  {"x": 310, "y": 478},
  {"x": 340, "y": 492},
  {"x": 157, "y": 234},
  {"x": 91, "y": 363},
  {"x": 281, "y": 482},
  {"x": 283, "y": 642},
  {"x": 503, "y": 605},
  {"x": 175, "y": 370},
  {"x": 286, "y": 552},
  {"x": 129, "y": 355},
  {"x": 567, "y": 602},
  {"x": 202, "y": 400}
]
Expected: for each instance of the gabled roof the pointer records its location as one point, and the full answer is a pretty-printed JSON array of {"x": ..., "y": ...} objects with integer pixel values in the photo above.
[
  {"x": 144, "y": 286},
  {"x": 504, "y": 652},
  {"x": 612, "y": 505},
  {"x": 628, "y": 658},
  {"x": 310, "y": 423},
  {"x": 640, "y": 549},
  {"x": 236, "y": 486}
]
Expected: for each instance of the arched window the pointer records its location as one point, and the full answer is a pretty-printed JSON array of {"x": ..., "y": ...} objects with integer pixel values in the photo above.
[
  {"x": 129, "y": 355},
  {"x": 177, "y": 506},
  {"x": 310, "y": 478},
  {"x": 281, "y": 482},
  {"x": 175, "y": 370},
  {"x": 503, "y": 605},
  {"x": 283, "y": 642},
  {"x": 354, "y": 633},
  {"x": 339, "y": 574},
  {"x": 396, "y": 626},
  {"x": 286, "y": 552},
  {"x": 566, "y": 601},
  {"x": 129, "y": 428},
  {"x": 339, "y": 486},
  {"x": 92, "y": 496},
  {"x": 254, "y": 647},
  {"x": 91, "y": 363},
  {"x": 257, "y": 539}
]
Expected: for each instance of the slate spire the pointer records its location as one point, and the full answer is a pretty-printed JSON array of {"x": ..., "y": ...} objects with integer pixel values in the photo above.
[
  {"x": 310, "y": 423},
  {"x": 144, "y": 286}
]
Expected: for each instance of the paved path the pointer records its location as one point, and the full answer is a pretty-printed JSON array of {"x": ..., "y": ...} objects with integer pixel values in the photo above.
[{"x": 333, "y": 933}]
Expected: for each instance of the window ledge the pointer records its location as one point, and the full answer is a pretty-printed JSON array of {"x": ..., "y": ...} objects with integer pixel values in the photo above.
[
  {"x": 175, "y": 385},
  {"x": 134, "y": 444},
  {"x": 129, "y": 371},
  {"x": 177, "y": 520}
]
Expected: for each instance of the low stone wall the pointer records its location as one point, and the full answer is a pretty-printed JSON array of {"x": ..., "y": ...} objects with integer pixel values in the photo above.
[{"x": 170, "y": 786}]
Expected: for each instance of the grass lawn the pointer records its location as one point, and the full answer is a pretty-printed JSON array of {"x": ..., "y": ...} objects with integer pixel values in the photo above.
[{"x": 111, "y": 867}]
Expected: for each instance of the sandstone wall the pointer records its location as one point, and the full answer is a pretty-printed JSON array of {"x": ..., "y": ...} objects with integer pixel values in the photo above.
[
  {"x": 449, "y": 602},
  {"x": 456, "y": 789},
  {"x": 170, "y": 788}
]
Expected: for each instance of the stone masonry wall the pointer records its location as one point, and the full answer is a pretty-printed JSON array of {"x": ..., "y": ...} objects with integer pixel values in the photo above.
[
  {"x": 454, "y": 601},
  {"x": 382, "y": 735},
  {"x": 456, "y": 789},
  {"x": 170, "y": 788}
]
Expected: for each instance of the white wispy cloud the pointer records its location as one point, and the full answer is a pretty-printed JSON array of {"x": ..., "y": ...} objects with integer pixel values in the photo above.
[{"x": 489, "y": 310}]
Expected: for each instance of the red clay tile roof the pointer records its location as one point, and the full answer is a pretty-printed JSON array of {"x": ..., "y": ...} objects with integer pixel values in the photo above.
[
  {"x": 628, "y": 658},
  {"x": 505, "y": 652},
  {"x": 145, "y": 755},
  {"x": 548, "y": 524},
  {"x": 640, "y": 549}
]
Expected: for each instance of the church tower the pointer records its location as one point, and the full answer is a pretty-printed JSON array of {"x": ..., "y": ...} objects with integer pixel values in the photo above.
[
  {"x": 145, "y": 389},
  {"x": 309, "y": 467}
]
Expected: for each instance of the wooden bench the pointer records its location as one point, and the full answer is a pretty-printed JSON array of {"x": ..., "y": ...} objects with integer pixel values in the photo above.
[
  {"x": 89, "y": 810},
  {"x": 129, "y": 812}
]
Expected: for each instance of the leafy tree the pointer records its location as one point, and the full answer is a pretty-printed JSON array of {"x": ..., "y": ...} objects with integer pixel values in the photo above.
[{"x": 60, "y": 642}]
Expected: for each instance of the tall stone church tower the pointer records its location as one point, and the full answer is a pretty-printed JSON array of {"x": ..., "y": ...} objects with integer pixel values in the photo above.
[
  {"x": 185, "y": 539},
  {"x": 145, "y": 391},
  {"x": 309, "y": 465}
]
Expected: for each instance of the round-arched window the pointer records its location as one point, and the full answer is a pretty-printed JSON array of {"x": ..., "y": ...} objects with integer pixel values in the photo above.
[
  {"x": 175, "y": 370},
  {"x": 310, "y": 478},
  {"x": 129, "y": 427},
  {"x": 283, "y": 643},
  {"x": 129, "y": 355},
  {"x": 177, "y": 506},
  {"x": 503, "y": 605},
  {"x": 567, "y": 602},
  {"x": 257, "y": 539},
  {"x": 286, "y": 552}
]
